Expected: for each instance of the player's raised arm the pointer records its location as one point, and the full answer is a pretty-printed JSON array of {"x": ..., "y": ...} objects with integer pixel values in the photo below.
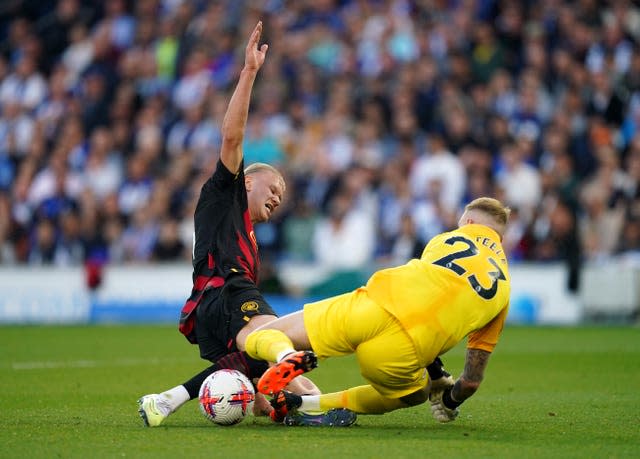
[{"x": 235, "y": 119}]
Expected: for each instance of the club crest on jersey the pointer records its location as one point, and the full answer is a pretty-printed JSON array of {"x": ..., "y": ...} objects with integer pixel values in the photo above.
[{"x": 249, "y": 306}]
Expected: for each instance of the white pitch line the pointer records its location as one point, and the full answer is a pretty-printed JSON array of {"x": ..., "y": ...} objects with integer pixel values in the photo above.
[{"x": 43, "y": 365}]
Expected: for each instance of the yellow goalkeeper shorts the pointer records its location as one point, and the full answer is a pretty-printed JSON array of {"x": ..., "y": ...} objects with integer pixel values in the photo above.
[{"x": 351, "y": 323}]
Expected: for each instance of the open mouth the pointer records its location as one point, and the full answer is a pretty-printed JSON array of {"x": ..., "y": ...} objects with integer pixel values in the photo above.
[{"x": 269, "y": 207}]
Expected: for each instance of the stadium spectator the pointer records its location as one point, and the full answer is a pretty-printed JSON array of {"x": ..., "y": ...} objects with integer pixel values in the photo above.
[
  {"x": 344, "y": 240},
  {"x": 519, "y": 180},
  {"x": 140, "y": 236},
  {"x": 299, "y": 224},
  {"x": 136, "y": 189},
  {"x": 407, "y": 244},
  {"x": 103, "y": 170},
  {"x": 56, "y": 28},
  {"x": 395, "y": 200},
  {"x": 43, "y": 248},
  {"x": 7, "y": 252},
  {"x": 79, "y": 54},
  {"x": 195, "y": 84},
  {"x": 260, "y": 146},
  {"x": 24, "y": 86},
  {"x": 16, "y": 130},
  {"x": 118, "y": 25},
  {"x": 168, "y": 246},
  {"x": 439, "y": 165}
]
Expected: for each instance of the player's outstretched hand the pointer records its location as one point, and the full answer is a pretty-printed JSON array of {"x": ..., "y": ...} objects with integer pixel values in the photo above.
[
  {"x": 254, "y": 54},
  {"x": 261, "y": 406},
  {"x": 440, "y": 412}
]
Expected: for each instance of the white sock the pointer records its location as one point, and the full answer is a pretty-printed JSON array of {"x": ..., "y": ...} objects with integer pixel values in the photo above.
[
  {"x": 310, "y": 403},
  {"x": 281, "y": 355},
  {"x": 176, "y": 397}
]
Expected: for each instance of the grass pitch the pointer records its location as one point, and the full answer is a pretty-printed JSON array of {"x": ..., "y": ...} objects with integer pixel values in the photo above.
[{"x": 548, "y": 392}]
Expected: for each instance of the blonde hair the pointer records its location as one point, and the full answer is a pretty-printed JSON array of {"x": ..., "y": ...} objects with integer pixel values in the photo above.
[
  {"x": 491, "y": 207},
  {"x": 256, "y": 168}
]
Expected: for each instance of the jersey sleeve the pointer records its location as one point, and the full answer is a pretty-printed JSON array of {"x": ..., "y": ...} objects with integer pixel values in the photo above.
[
  {"x": 222, "y": 177},
  {"x": 487, "y": 337}
]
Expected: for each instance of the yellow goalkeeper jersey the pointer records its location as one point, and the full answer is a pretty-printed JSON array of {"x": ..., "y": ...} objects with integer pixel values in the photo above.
[{"x": 459, "y": 287}]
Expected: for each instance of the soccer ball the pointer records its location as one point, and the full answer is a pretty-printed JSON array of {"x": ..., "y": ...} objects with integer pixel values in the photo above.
[{"x": 226, "y": 397}]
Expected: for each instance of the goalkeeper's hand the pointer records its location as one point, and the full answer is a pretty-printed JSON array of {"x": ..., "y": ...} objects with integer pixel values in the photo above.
[
  {"x": 439, "y": 410},
  {"x": 443, "y": 414},
  {"x": 440, "y": 384}
]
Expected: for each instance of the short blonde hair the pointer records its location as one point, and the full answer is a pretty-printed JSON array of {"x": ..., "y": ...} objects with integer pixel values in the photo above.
[
  {"x": 259, "y": 167},
  {"x": 262, "y": 167},
  {"x": 492, "y": 207}
]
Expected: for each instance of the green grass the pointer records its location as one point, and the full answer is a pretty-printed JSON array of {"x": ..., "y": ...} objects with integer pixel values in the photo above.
[{"x": 548, "y": 392}]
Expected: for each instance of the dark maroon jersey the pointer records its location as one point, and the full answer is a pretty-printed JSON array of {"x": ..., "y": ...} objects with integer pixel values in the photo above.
[{"x": 224, "y": 242}]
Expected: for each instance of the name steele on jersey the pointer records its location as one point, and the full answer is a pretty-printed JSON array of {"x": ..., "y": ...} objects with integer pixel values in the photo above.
[{"x": 491, "y": 245}]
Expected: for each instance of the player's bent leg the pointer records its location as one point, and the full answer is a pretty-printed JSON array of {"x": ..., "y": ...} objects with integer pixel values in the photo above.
[
  {"x": 267, "y": 344},
  {"x": 360, "y": 399},
  {"x": 275, "y": 346},
  {"x": 282, "y": 373},
  {"x": 256, "y": 322},
  {"x": 287, "y": 409},
  {"x": 155, "y": 408},
  {"x": 292, "y": 325}
]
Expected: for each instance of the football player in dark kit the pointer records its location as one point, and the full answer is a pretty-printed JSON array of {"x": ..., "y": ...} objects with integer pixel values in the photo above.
[{"x": 225, "y": 304}]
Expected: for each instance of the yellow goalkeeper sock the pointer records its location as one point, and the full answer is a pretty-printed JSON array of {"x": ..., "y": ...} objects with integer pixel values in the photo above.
[
  {"x": 361, "y": 399},
  {"x": 268, "y": 345}
]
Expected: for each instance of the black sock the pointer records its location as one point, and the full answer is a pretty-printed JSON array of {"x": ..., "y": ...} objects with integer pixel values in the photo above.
[
  {"x": 235, "y": 361},
  {"x": 193, "y": 385}
]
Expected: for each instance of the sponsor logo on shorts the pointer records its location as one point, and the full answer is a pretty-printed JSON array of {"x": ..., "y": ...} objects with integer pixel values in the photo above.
[{"x": 249, "y": 306}]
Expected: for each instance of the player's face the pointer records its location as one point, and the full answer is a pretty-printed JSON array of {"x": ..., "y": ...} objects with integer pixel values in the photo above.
[{"x": 264, "y": 192}]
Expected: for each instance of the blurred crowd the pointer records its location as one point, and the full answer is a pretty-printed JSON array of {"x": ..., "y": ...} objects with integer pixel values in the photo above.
[{"x": 386, "y": 117}]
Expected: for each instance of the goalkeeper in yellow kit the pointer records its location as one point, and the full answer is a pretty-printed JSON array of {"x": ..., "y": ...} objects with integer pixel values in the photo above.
[{"x": 399, "y": 323}]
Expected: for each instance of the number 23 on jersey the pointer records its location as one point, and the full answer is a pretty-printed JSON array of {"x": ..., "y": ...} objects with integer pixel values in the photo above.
[{"x": 493, "y": 270}]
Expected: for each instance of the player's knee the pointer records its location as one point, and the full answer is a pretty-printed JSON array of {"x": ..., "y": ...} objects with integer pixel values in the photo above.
[
  {"x": 255, "y": 323},
  {"x": 416, "y": 398}
]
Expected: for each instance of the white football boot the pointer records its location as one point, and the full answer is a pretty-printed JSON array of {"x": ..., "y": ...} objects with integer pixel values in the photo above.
[{"x": 153, "y": 409}]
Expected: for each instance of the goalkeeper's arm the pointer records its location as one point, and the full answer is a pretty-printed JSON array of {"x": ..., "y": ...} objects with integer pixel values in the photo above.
[
  {"x": 470, "y": 379},
  {"x": 445, "y": 402}
]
